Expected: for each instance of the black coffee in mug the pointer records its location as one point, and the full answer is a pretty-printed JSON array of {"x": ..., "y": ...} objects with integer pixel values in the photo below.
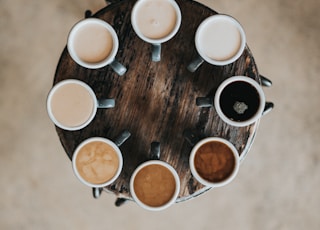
[{"x": 239, "y": 101}]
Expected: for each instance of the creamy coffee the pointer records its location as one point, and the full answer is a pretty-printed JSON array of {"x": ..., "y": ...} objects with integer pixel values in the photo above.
[
  {"x": 97, "y": 162},
  {"x": 72, "y": 104},
  {"x": 93, "y": 43},
  {"x": 156, "y": 19},
  {"x": 154, "y": 185},
  {"x": 220, "y": 39},
  {"x": 214, "y": 161}
]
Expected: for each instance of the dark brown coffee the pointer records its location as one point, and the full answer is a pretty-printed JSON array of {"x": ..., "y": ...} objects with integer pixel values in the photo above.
[
  {"x": 239, "y": 101},
  {"x": 214, "y": 161},
  {"x": 154, "y": 185}
]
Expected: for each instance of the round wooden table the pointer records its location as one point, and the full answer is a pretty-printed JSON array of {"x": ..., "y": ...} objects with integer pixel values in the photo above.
[{"x": 156, "y": 101}]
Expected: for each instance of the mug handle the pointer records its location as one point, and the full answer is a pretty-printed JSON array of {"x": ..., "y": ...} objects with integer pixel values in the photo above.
[
  {"x": 156, "y": 52},
  {"x": 155, "y": 151},
  {"x": 195, "y": 64},
  {"x": 204, "y": 101},
  {"x": 96, "y": 192},
  {"x": 267, "y": 108},
  {"x": 118, "y": 67},
  {"x": 106, "y": 103},
  {"x": 265, "y": 81},
  {"x": 122, "y": 138}
]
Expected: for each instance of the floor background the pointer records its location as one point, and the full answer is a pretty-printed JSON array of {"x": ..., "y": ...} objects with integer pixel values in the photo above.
[{"x": 277, "y": 186}]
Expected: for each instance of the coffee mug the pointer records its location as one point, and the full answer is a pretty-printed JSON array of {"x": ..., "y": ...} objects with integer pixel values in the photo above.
[
  {"x": 93, "y": 43},
  {"x": 219, "y": 40},
  {"x": 72, "y": 104},
  {"x": 156, "y": 21},
  {"x": 214, "y": 162},
  {"x": 155, "y": 185},
  {"x": 239, "y": 101},
  {"x": 97, "y": 162}
]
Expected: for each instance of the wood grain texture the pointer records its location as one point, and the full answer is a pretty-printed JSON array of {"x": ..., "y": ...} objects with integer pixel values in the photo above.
[{"x": 156, "y": 101}]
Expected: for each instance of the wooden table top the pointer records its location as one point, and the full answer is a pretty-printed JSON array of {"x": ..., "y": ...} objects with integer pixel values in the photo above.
[{"x": 156, "y": 101}]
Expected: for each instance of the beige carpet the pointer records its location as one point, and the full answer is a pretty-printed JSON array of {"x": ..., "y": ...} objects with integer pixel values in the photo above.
[{"x": 278, "y": 184}]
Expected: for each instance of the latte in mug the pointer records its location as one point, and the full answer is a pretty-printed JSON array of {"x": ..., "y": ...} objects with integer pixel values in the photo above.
[
  {"x": 155, "y": 185},
  {"x": 97, "y": 162},
  {"x": 155, "y": 19},
  {"x": 71, "y": 104},
  {"x": 220, "y": 39},
  {"x": 93, "y": 43}
]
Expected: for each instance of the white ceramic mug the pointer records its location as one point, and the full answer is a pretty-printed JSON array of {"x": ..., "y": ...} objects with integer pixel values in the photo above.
[
  {"x": 97, "y": 162},
  {"x": 155, "y": 185},
  {"x": 72, "y": 104},
  {"x": 219, "y": 40},
  {"x": 93, "y": 43},
  {"x": 156, "y": 21},
  {"x": 239, "y": 101},
  {"x": 214, "y": 162},
  {"x": 246, "y": 104}
]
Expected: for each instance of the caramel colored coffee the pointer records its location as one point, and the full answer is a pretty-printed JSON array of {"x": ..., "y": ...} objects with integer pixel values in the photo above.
[
  {"x": 93, "y": 43},
  {"x": 72, "y": 105},
  {"x": 214, "y": 161},
  {"x": 154, "y": 185},
  {"x": 97, "y": 162},
  {"x": 156, "y": 19}
]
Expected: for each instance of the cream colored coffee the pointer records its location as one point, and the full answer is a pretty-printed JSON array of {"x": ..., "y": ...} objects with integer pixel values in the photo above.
[
  {"x": 72, "y": 105},
  {"x": 220, "y": 39},
  {"x": 156, "y": 18},
  {"x": 93, "y": 43},
  {"x": 97, "y": 162}
]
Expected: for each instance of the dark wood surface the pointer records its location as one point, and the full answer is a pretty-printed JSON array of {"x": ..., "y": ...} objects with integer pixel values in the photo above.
[{"x": 157, "y": 101}]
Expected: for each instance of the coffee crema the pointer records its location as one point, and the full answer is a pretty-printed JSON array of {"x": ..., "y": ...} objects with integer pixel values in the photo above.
[
  {"x": 220, "y": 40},
  {"x": 72, "y": 105},
  {"x": 214, "y": 161},
  {"x": 239, "y": 101},
  {"x": 93, "y": 43},
  {"x": 97, "y": 162},
  {"x": 154, "y": 185},
  {"x": 156, "y": 19}
]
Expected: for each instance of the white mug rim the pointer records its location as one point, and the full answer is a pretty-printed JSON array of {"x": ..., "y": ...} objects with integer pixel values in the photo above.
[
  {"x": 73, "y": 53},
  {"x": 108, "y": 142},
  {"x": 206, "y": 182},
  {"x": 220, "y": 17},
  {"x": 173, "y": 198},
  {"x": 58, "y": 86},
  {"x": 159, "y": 40},
  {"x": 259, "y": 111}
]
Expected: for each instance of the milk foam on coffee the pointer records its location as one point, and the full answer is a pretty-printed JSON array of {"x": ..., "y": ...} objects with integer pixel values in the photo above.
[
  {"x": 154, "y": 185},
  {"x": 97, "y": 162},
  {"x": 93, "y": 43},
  {"x": 156, "y": 18},
  {"x": 72, "y": 105},
  {"x": 220, "y": 39}
]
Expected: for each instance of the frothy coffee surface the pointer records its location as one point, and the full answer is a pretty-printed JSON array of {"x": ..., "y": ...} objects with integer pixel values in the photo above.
[
  {"x": 154, "y": 185},
  {"x": 72, "y": 105},
  {"x": 214, "y": 161},
  {"x": 220, "y": 40},
  {"x": 156, "y": 18},
  {"x": 93, "y": 43},
  {"x": 97, "y": 162}
]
